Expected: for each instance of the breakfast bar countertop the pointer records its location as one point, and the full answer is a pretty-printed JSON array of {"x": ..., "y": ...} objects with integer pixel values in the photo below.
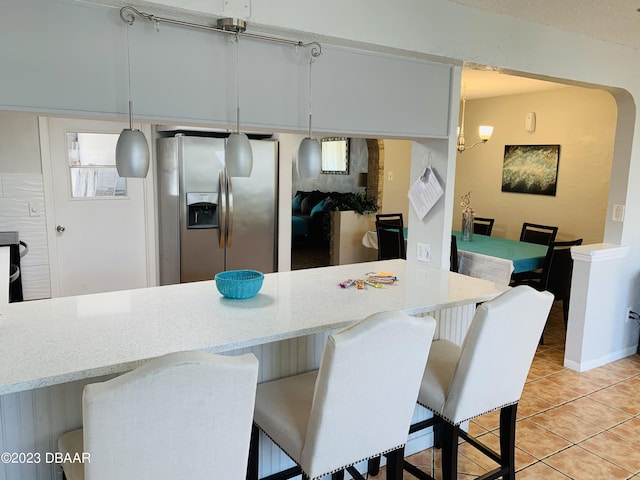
[{"x": 47, "y": 342}]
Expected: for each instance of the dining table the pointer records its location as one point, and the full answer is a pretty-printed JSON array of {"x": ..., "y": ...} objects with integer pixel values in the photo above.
[
  {"x": 525, "y": 256},
  {"x": 496, "y": 258}
]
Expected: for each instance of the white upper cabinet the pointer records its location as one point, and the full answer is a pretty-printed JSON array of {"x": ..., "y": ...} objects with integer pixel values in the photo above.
[{"x": 73, "y": 59}]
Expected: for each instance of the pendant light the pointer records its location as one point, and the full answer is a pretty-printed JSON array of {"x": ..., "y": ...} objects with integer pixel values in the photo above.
[
  {"x": 238, "y": 154},
  {"x": 132, "y": 157},
  {"x": 309, "y": 161},
  {"x": 132, "y": 151}
]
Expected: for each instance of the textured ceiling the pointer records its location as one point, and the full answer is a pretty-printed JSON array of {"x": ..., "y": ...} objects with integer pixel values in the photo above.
[
  {"x": 482, "y": 84},
  {"x": 611, "y": 20}
]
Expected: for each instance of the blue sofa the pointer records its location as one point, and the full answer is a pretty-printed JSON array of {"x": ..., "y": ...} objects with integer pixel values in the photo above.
[{"x": 308, "y": 216}]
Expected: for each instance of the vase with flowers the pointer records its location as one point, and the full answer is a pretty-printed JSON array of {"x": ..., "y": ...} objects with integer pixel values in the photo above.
[{"x": 467, "y": 217}]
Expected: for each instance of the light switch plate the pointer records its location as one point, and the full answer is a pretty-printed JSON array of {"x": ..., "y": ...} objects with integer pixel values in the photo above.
[
  {"x": 34, "y": 211},
  {"x": 618, "y": 213},
  {"x": 423, "y": 252}
]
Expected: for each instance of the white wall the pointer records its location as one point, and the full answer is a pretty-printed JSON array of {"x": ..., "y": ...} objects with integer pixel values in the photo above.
[
  {"x": 397, "y": 165},
  {"x": 21, "y": 189},
  {"x": 19, "y": 146},
  {"x": 22, "y": 210}
]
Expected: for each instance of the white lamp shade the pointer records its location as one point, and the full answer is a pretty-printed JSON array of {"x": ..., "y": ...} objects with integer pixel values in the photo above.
[
  {"x": 238, "y": 155},
  {"x": 485, "y": 132},
  {"x": 309, "y": 161},
  {"x": 132, "y": 154}
]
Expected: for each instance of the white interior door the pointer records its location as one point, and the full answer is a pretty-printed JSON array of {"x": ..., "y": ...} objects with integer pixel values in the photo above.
[{"x": 96, "y": 221}]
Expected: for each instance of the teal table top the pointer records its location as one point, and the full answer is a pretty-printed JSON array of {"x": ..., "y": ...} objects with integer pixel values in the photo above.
[{"x": 525, "y": 256}]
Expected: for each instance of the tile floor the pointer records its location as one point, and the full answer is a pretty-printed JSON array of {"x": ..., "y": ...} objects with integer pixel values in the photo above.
[{"x": 582, "y": 426}]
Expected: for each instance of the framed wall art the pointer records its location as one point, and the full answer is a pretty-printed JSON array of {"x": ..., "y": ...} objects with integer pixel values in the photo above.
[
  {"x": 530, "y": 169},
  {"x": 335, "y": 155}
]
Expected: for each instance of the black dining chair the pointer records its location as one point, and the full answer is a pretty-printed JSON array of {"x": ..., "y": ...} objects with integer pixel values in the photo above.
[
  {"x": 555, "y": 276},
  {"x": 390, "y": 218},
  {"x": 390, "y": 231},
  {"x": 453, "y": 258},
  {"x": 540, "y": 234},
  {"x": 483, "y": 226}
]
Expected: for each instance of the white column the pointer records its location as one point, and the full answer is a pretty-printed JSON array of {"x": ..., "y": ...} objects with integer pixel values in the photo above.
[
  {"x": 5, "y": 271},
  {"x": 596, "y": 332}
]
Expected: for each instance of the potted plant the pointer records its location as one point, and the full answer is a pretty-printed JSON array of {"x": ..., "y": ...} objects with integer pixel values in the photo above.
[{"x": 357, "y": 202}]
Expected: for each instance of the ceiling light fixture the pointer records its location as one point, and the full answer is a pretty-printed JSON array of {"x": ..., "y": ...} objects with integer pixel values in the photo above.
[
  {"x": 309, "y": 161},
  {"x": 484, "y": 132},
  {"x": 238, "y": 155},
  {"x": 239, "y": 158},
  {"x": 132, "y": 151}
]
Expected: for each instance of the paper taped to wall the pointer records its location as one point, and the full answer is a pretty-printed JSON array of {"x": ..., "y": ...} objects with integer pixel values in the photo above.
[{"x": 425, "y": 192}]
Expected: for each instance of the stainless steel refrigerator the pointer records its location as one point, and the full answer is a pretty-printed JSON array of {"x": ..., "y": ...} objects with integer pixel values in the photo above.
[{"x": 209, "y": 222}]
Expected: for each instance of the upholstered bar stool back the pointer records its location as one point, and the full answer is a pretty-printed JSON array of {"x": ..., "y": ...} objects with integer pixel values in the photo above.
[
  {"x": 360, "y": 402},
  {"x": 182, "y": 415},
  {"x": 494, "y": 360},
  {"x": 486, "y": 373}
]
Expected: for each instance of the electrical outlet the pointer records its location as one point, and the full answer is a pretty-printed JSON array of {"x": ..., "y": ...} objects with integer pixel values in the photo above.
[{"x": 423, "y": 252}]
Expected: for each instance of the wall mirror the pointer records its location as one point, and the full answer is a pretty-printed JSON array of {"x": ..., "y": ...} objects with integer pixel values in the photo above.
[{"x": 335, "y": 155}]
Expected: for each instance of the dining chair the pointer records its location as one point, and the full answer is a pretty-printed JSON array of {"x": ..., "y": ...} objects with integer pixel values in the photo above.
[
  {"x": 453, "y": 257},
  {"x": 486, "y": 373},
  {"x": 540, "y": 234},
  {"x": 329, "y": 419},
  {"x": 390, "y": 232},
  {"x": 182, "y": 415},
  {"x": 555, "y": 276},
  {"x": 483, "y": 226},
  {"x": 390, "y": 217}
]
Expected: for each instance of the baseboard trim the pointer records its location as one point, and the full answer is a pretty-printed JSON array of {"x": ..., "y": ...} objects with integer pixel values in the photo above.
[{"x": 598, "y": 362}]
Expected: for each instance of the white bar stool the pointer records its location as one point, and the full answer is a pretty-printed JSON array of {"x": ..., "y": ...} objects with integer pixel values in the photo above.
[
  {"x": 487, "y": 373},
  {"x": 182, "y": 415},
  {"x": 358, "y": 405}
]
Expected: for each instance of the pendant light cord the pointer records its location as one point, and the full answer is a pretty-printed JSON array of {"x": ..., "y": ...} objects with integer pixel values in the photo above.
[
  {"x": 237, "y": 83},
  {"x": 129, "y": 77},
  {"x": 316, "y": 51},
  {"x": 311, "y": 60}
]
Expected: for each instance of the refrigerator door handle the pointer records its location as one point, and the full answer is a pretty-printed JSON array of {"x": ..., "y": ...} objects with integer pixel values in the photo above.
[
  {"x": 229, "y": 212},
  {"x": 222, "y": 213}
]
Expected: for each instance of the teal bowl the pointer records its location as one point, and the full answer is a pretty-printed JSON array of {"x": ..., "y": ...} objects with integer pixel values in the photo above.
[{"x": 239, "y": 284}]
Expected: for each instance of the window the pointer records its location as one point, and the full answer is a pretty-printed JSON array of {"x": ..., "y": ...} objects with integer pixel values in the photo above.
[{"x": 92, "y": 165}]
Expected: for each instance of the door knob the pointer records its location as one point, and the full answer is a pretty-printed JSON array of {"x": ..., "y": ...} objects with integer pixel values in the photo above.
[{"x": 60, "y": 228}]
